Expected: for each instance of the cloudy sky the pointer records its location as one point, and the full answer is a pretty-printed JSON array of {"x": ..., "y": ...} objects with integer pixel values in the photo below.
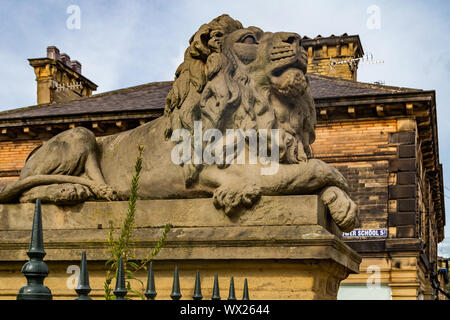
[{"x": 127, "y": 43}]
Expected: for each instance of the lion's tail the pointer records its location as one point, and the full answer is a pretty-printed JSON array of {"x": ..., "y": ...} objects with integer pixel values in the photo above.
[{"x": 15, "y": 189}]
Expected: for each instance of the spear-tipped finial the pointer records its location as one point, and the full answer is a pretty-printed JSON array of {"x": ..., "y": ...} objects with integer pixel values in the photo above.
[
  {"x": 150, "y": 293},
  {"x": 83, "y": 287},
  {"x": 35, "y": 270},
  {"x": 231, "y": 293},
  {"x": 37, "y": 239},
  {"x": 216, "y": 291},
  {"x": 120, "y": 291},
  {"x": 245, "y": 295},
  {"x": 176, "y": 294},
  {"x": 197, "y": 290}
]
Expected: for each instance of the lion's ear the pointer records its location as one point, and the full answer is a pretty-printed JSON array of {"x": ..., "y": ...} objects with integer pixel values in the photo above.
[{"x": 199, "y": 48}]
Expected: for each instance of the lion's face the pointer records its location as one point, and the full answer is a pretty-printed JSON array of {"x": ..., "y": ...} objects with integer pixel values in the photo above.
[
  {"x": 273, "y": 60},
  {"x": 234, "y": 77}
]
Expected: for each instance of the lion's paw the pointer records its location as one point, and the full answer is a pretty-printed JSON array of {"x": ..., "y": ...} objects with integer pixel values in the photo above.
[
  {"x": 233, "y": 196},
  {"x": 104, "y": 191},
  {"x": 343, "y": 210},
  {"x": 66, "y": 193}
]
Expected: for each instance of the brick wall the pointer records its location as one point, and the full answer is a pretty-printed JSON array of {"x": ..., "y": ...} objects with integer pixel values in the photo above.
[
  {"x": 361, "y": 150},
  {"x": 12, "y": 157},
  {"x": 352, "y": 139},
  {"x": 403, "y": 191}
]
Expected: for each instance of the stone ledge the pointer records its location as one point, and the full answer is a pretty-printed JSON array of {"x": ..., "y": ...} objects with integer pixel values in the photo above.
[
  {"x": 282, "y": 227},
  {"x": 275, "y": 211}
]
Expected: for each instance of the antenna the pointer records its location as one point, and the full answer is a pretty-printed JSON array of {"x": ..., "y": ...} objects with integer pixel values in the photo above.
[
  {"x": 61, "y": 87},
  {"x": 366, "y": 59}
]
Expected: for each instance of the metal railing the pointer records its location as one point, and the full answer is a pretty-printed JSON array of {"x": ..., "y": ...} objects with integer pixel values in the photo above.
[{"x": 35, "y": 271}]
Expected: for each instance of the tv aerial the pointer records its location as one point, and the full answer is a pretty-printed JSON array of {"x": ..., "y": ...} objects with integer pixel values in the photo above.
[{"x": 352, "y": 63}]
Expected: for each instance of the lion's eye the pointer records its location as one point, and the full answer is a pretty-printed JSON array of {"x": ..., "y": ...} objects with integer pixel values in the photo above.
[
  {"x": 249, "y": 39},
  {"x": 216, "y": 34}
]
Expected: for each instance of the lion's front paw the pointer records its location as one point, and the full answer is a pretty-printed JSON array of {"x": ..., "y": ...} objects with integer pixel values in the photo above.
[
  {"x": 328, "y": 174},
  {"x": 104, "y": 191},
  {"x": 232, "y": 196},
  {"x": 342, "y": 208},
  {"x": 65, "y": 193}
]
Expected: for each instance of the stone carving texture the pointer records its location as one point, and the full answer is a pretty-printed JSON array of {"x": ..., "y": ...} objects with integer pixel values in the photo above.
[{"x": 231, "y": 78}]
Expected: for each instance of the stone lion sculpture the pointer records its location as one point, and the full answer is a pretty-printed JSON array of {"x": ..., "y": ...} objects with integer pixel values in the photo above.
[{"x": 231, "y": 78}]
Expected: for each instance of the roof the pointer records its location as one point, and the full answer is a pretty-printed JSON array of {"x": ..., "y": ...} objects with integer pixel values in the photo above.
[
  {"x": 330, "y": 87},
  {"x": 152, "y": 96},
  {"x": 139, "y": 98}
]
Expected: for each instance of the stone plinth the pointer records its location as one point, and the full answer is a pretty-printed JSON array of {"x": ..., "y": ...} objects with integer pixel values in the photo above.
[{"x": 288, "y": 247}]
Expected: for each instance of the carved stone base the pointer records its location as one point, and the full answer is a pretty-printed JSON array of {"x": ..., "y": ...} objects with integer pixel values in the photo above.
[{"x": 287, "y": 247}]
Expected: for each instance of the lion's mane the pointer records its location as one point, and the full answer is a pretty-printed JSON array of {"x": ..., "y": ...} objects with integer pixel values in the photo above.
[{"x": 209, "y": 86}]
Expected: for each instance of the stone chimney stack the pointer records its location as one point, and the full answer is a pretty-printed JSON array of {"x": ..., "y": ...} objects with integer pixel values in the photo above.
[
  {"x": 334, "y": 56},
  {"x": 59, "y": 79},
  {"x": 53, "y": 53},
  {"x": 65, "y": 59},
  {"x": 76, "y": 66}
]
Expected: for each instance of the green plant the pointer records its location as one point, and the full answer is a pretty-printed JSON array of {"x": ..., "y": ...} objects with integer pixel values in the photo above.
[{"x": 123, "y": 246}]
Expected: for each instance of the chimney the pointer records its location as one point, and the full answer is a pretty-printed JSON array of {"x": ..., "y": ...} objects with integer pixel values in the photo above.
[
  {"x": 65, "y": 59},
  {"x": 59, "y": 79},
  {"x": 334, "y": 56},
  {"x": 76, "y": 66},
  {"x": 53, "y": 53}
]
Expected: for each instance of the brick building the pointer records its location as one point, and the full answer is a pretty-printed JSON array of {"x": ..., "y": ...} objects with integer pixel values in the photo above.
[{"x": 382, "y": 138}]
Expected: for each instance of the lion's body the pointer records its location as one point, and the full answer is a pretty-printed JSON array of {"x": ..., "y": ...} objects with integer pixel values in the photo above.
[
  {"x": 232, "y": 78},
  {"x": 159, "y": 178}
]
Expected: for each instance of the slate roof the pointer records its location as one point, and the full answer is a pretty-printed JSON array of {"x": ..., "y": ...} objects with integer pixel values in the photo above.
[
  {"x": 329, "y": 87},
  {"x": 152, "y": 96}
]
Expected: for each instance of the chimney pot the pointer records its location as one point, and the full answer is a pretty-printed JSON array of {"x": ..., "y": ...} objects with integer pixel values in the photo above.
[
  {"x": 76, "y": 66},
  {"x": 66, "y": 59},
  {"x": 53, "y": 53}
]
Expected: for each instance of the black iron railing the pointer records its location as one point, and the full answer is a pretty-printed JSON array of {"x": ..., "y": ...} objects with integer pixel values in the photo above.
[{"x": 35, "y": 271}]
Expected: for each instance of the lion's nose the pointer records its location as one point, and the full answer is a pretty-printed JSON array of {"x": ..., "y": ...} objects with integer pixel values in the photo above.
[{"x": 289, "y": 37}]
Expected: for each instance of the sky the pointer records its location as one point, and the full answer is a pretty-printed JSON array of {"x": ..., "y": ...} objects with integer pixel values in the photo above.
[{"x": 129, "y": 42}]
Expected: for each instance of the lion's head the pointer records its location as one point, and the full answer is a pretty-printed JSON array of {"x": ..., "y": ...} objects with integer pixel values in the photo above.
[{"x": 234, "y": 77}]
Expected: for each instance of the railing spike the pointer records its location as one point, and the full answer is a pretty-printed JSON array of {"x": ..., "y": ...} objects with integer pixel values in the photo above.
[
  {"x": 150, "y": 293},
  {"x": 37, "y": 239},
  {"x": 120, "y": 291},
  {"x": 245, "y": 295},
  {"x": 83, "y": 287},
  {"x": 35, "y": 270},
  {"x": 231, "y": 294},
  {"x": 176, "y": 293},
  {"x": 197, "y": 289},
  {"x": 216, "y": 290}
]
